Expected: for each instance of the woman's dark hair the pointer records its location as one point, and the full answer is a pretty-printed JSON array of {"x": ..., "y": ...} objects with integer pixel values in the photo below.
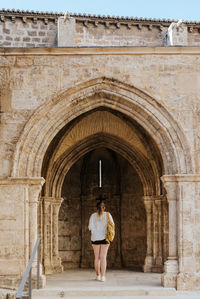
[{"x": 99, "y": 207}]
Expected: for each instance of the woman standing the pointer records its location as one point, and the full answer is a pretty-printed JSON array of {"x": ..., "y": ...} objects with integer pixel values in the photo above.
[{"x": 98, "y": 228}]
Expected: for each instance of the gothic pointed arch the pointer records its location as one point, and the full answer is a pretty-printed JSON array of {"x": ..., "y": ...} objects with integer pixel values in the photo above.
[{"x": 51, "y": 117}]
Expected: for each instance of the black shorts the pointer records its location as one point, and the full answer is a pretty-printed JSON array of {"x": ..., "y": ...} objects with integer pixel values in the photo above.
[{"x": 98, "y": 242}]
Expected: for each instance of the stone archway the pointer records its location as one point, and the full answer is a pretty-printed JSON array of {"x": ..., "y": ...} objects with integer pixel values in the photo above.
[
  {"x": 105, "y": 93},
  {"x": 98, "y": 129}
]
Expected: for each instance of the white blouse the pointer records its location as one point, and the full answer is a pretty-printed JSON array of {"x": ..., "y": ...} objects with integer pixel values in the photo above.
[{"x": 98, "y": 227}]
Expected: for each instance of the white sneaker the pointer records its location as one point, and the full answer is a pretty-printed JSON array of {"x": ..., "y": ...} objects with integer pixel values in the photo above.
[
  {"x": 98, "y": 277},
  {"x": 103, "y": 278}
]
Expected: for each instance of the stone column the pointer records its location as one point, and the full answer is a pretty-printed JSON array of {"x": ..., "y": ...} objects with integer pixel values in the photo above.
[
  {"x": 157, "y": 235},
  {"x": 165, "y": 219},
  {"x": 169, "y": 278},
  {"x": 52, "y": 261},
  {"x": 40, "y": 226},
  {"x": 47, "y": 235},
  {"x": 35, "y": 186},
  {"x": 148, "y": 202},
  {"x": 56, "y": 259}
]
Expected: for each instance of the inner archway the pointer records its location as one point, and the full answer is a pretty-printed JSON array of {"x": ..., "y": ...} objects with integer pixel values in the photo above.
[{"x": 123, "y": 193}]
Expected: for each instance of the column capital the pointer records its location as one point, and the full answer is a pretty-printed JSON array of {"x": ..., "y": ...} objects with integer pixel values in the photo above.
[
  {"x": 180, "y": 178},
  {"x": 148, "y": 202},
  {"x": 53, "y": 200},
  {"x": 34, "y": 187},
  {"x": 170, "y": 184},
  {"x": 148, "y": 198}
]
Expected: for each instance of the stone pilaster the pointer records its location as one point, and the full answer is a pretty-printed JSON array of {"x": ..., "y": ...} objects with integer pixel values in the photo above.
[
  {"x": 56, "y": 259},
  {"x": 35, "y": 186},
  {"x": 34, "y": 190},
  {"x": 52, "y": 261},
  {"x": 40, "y": 227},
  {"x": 165, "y": 221},
  {"x": 157, "y": 235},
  {"x": 148, "y": 203},
  {"x": 47, "y": 246},
  {"x": 19, "y": 200},
  {"x": 188, "y": 187},
  {"x": 169, "y": 278}
]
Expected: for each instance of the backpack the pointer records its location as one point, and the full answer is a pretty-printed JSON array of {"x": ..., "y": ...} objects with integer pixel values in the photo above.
[{"x": 110, "y": 230}]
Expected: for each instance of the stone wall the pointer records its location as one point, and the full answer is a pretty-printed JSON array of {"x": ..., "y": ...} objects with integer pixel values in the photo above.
[
  {"x": 27, "y": 34},
  {"x": 133, "y": 219},
  {"x": 70, "y": 224},
  {"x": 34, "y": 29},
  {"x": 117, "y": 34}
]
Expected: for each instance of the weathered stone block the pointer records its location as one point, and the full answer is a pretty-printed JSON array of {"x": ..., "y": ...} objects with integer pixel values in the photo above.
[{"x": 66, "y": 32}]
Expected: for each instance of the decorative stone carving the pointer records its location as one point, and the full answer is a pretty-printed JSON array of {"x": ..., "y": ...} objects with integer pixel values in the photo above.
[{"x": 176, "y": 35}]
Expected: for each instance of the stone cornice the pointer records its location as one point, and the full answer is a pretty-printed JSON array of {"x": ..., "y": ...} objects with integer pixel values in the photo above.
[
  {"x": 181, "y": 178},
  {"x": 22, "y": 181},
  {"x": 12, "y": 14},
  {"x": 171, "y": 50}
]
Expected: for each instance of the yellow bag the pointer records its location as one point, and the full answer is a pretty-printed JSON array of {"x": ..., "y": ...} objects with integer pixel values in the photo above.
[{"x": 110, "y": 230}]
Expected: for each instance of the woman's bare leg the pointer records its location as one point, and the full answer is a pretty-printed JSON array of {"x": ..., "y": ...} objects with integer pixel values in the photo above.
[
  {"x": 96, "y": 249},
  {"x": 103, "y": 256}
]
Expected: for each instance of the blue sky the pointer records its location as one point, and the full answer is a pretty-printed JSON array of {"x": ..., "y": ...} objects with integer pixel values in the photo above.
[{"x": 172, "y": 9}]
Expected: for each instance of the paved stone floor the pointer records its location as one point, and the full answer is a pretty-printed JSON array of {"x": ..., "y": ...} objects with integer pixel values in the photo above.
[{"x": 119, "y": 284}]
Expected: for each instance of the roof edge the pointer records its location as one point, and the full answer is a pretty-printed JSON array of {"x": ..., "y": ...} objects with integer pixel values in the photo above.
[{"x": 55, "y": 15}]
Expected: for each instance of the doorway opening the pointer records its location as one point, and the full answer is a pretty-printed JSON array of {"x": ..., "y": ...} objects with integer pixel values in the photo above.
[{"x": 123, "y": 192}]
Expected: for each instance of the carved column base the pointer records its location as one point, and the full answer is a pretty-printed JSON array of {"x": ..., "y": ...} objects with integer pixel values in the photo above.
[
  {"x": 169, "y": 277},
  {"x": 158, "y": 266},
  {"x": 57, "y": 266},
  {"x": 42, "y": 281},
  {"x": 148, "y": 264},
  {"x": 48, "y": 269}
]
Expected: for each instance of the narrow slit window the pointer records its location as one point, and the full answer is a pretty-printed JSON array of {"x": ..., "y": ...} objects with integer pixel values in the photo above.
[{"x": 100, "y": 174}]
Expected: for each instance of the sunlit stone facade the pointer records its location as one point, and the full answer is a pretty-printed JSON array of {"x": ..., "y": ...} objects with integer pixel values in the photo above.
[{"x": 77, "y": 90}]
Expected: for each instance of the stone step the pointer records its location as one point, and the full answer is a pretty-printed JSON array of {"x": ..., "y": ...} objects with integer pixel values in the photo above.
[{"x": 102, "y": 292}]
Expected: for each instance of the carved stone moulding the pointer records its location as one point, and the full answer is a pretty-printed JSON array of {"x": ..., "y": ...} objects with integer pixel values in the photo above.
[{"x": 25, "y": 18}]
